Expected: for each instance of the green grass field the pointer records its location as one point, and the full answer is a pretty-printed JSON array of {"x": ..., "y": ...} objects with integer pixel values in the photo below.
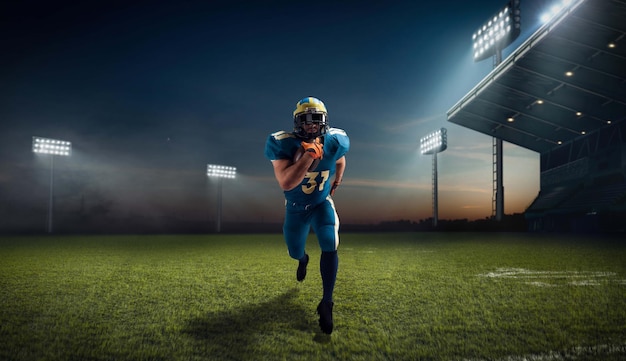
[{"x": 399, "y": 296}]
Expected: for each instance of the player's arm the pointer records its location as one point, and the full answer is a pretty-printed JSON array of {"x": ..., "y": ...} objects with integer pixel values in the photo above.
[
  {"x": 289, "y": 174},
  {"x": 340, "y": 165}
]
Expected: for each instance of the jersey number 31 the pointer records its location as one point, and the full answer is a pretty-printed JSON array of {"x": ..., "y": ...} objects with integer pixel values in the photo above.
[{"x": 311, "y": 184}]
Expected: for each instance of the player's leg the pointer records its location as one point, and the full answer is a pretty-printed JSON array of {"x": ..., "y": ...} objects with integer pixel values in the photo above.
[
  {"x": 326, "y": 226},
  {"x": 295, "y": 231}
]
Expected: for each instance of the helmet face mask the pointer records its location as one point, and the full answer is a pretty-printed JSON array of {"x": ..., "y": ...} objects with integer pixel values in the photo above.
[
  {"x": 310, "y": 119},
  {"x": 310, "y": 125}
]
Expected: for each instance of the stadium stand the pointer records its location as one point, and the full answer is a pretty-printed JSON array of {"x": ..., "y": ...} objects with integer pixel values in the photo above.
[{"x": 562, "y": 94}]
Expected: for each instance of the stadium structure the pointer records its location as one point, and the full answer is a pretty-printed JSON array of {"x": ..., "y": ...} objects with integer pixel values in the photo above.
[{"x": 562, "y": 94}]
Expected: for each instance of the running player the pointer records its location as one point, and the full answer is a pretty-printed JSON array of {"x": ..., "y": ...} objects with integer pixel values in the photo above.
[{"x": 309, "y": 179}]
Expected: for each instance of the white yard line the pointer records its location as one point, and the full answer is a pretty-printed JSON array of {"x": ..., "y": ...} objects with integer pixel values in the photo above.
[
  {"x": 597, "y": 351},
  {"x": 524, "y": 273},
  {"x": 543, "y": 278}
]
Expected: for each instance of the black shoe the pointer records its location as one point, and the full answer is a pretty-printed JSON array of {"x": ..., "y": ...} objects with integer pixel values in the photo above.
[
  {"x": 301, "y": 272},
  {"x": 325, "y": 310}
]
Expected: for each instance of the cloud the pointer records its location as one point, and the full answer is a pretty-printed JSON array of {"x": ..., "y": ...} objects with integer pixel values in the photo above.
[
  {"x": 461, "y": 188},
  {"x": 402, "y": 127},
  {"x": 396, "y": 185},
  {"x": 388, "y": 184}
]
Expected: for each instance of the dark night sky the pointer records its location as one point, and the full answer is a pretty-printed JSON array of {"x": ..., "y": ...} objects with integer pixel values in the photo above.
[{"x": 150, "y": 92}]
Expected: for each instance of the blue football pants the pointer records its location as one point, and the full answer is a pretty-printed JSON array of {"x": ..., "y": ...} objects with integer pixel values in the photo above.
[{"x": 299, "y": 220}]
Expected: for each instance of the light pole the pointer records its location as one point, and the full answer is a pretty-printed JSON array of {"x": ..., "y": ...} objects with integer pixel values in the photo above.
[
  {"x": 52, "y": 147},
  {"x": 434, "y": 143},
  {"x": 220, "y": 172},
  {"x": 498, "y": 32}
]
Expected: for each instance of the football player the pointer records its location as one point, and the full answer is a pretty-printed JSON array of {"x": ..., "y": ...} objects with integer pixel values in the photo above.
[{"x": 309, "y": 164}]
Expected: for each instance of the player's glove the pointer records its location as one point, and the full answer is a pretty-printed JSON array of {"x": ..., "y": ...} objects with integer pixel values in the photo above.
[{"x": 315, "y": 149}]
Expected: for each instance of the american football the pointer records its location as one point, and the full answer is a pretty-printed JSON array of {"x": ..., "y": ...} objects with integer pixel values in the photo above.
[{"x": 299, "y": 154}]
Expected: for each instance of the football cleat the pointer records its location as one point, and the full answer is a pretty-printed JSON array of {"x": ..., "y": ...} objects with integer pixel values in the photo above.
[
  {"x": 325, "y": 310},
  {"x": 301, "y": 272}
]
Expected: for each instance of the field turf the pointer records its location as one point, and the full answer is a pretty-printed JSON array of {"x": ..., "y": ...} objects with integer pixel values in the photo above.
[{"x": 399, "y": 296}]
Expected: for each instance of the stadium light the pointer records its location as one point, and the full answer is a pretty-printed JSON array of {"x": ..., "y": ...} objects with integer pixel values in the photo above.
[
  {"x": 498, "y": 32},
  {"x": 434, "y": 143},
  {"x": 52, "y": 147},
  {"x": 220, "y": 172},
  {"x": 554, "y": 10}
]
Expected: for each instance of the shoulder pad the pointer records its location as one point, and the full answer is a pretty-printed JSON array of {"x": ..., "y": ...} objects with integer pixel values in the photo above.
[
  {"x": 281, "y": 134},
  {"x": 341, "y": 138},
  {"x": 337, "y": 131}
]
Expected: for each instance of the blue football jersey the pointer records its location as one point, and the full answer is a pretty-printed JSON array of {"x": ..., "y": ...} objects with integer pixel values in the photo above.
[{"x": 316, "y": 185}]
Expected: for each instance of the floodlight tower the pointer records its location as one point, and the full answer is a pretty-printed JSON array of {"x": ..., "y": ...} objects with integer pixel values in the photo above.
[
  {"x": 434, "y": 143},
  {"x": 220, "y": 172},
  {"x": 52, "y": 147},
  {"x": 498, "y": 32}
]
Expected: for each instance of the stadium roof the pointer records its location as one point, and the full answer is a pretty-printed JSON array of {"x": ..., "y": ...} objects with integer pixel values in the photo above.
[{"x": 566, "y": 81}]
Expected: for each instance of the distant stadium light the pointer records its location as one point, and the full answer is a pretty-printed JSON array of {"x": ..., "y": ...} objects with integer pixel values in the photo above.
[
  {"x": 220, "y": 172},
  {"x": 497, "y": 32},
  {"x": 51, "y": 147},
  {"x": 434, "y": 142}
]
